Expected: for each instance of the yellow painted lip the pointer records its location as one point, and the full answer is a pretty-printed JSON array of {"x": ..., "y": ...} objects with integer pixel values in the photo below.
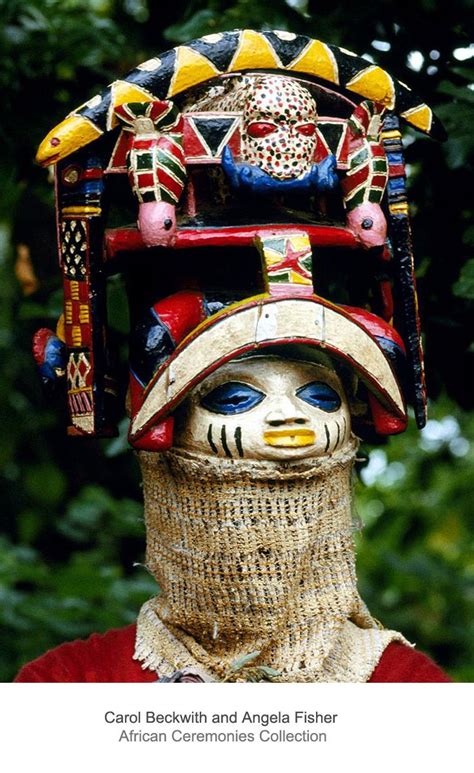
[{"x": 289, "y": 438}]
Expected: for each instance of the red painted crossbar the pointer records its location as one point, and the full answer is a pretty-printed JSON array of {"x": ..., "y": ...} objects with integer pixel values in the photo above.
[{"x": 129, "y": 239}]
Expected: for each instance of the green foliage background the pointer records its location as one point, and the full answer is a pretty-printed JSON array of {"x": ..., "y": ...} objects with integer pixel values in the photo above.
[{"x": 71, "y": 522}]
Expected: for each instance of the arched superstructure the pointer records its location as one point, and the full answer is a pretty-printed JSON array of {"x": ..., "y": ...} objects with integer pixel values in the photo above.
[{"x": 186, "y": 66}]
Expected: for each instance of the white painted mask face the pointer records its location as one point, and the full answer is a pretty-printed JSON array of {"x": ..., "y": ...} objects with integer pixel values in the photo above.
[
  {"x": 279, "y": 127},
  {"x": 266, "y": 408}
]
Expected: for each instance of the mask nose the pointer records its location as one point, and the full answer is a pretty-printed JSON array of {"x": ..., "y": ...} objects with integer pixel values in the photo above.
[
  {"x": 284, "y": 138},
  {"x": 284, "y": 411}
]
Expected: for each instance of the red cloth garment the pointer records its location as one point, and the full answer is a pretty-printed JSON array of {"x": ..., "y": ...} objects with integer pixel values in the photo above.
[{"x": 108, "y": 657}]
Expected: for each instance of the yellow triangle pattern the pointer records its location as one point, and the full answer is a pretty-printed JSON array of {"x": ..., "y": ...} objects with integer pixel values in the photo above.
[
  {"x": 125, "y": 92},
  {"x": 317, "y": 59},
  {"x": 420, "y": 116},
  {"x": 190, "y": 69},
  {"x": 272, "y": 257},
  {"x": 374, "y": 83},
  {"x": 299, "y": 279},
  {"x": 253, "y": 51}
]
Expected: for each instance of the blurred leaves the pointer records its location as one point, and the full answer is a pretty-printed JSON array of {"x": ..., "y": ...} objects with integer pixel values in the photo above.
[
  {"x": 218, "y": 16},
  {"x": 43, "y": 604},
  {"x": 464, "y": 287},
  {"x": 415, "y": 554}
]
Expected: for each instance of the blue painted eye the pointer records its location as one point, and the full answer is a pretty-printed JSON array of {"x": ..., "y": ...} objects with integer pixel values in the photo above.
[
  {"x": 320, "y": 395},
  {"x": 231, "y": 398}
]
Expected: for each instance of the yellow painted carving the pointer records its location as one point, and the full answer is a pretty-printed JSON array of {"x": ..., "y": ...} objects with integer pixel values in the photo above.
[
  {"x": 74, "y": 287},
  {"x": 68, "y": 312},
  {"x": 81, "y": 211},
  {"x": 273, "y": 257},
  {"x": 69, "y": 135},
  {"x": 190, "y": 68},
  {"x": 399, "y": 208},
  {"x": 299, "y": 279},
  {"x": 80, "y": 391},
  {"x": 76, "y": 335},
  {"x": 421, "y": 117},
  {"x": 60, "y": 329},
  {"x": 374, "y": 83},
  {"x": 253, "y": 51},
  {"x": 289, "y": 438},
  {"x": 300, "y": 242},
  {"x": 84, "y": 315},
  {"x": 317, "y": 59},
  {"x": 125, "y": 92}
]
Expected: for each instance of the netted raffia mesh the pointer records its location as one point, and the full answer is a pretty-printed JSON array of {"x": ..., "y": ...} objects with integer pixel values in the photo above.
[{"x": 254, "y": 556}]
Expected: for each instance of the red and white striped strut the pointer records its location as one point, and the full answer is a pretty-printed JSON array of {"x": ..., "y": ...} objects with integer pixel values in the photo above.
[{"x": 156, "y": 165}]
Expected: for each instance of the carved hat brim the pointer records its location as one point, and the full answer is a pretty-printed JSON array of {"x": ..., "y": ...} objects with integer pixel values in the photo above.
[{"x": 263, "y": 322}]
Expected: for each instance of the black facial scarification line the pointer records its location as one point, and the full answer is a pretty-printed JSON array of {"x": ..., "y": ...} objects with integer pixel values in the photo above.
[
  {"x": 224, "y": 442},
  {"x": 338, "y": 434},
  {"x": 345, "y": 426},
  {"x": 238, "y": 441},
  {"x": 328, "y": 437},
  {"x": 210, "y": 440}
]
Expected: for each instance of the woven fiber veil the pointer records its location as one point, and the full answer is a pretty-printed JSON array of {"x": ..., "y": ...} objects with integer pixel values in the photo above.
[{"x": 254, "y": 556}]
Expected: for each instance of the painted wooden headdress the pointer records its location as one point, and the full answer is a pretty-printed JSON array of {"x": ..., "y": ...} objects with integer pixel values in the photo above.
[{"x": 263, "y": 173}]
